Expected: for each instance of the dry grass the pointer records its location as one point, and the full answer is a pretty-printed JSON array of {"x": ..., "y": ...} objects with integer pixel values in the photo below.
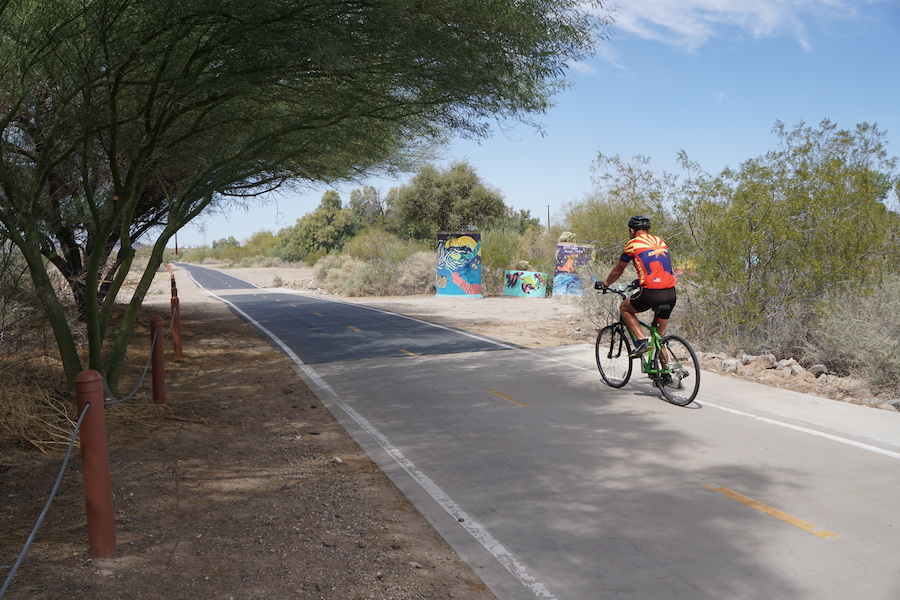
[{"x": 35, "y": 414}]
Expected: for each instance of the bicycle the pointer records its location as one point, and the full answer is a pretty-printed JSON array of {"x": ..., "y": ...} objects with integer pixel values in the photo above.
[{"x": 669, "y": 360}]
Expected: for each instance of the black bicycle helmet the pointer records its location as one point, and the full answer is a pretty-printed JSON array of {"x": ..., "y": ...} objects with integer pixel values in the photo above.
[{"x": 638, "y": 222}]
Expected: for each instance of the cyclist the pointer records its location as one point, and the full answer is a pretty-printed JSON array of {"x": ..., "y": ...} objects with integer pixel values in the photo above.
[{"x": 656, "y": 279}]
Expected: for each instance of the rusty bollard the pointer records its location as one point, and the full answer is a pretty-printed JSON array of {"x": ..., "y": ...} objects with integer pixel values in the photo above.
[
  {"x": 157, "y": 360},
  {"x": 176, "y": 328},
  {"x": 95, "y": 462}
]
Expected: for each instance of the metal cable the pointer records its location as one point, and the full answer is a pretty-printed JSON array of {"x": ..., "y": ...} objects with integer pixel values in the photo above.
[
  {"x": 139, "y": 383},
  {"x": 40, "y": 520},
  {"x": 172, "y": 324}
]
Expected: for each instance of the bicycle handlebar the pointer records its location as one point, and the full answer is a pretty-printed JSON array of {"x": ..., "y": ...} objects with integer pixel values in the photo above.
[{"x": 623, "y": 292}]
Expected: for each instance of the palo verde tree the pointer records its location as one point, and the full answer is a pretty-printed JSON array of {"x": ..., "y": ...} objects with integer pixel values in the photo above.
[
  {"x": 451, "y": 199},
  {"x": 122, "y": 120}
]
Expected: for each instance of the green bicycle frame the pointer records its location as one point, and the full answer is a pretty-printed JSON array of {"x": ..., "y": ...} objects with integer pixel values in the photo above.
[{"x": 654, "y": 345}]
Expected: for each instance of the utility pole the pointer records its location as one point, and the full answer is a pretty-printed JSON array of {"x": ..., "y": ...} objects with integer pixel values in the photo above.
[{"x": 548, "y": 219}]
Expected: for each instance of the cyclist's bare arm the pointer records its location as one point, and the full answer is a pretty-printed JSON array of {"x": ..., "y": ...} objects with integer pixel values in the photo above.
[{"x": 615, "y": 273}]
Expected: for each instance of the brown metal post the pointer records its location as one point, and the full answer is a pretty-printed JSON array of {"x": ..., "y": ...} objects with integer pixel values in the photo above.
[
  {"x": 172, "y": 277},
  {"x": 176, "y": 328},
  {"x": 157, "y": 360},
  {"x": 95, "y": 462}
]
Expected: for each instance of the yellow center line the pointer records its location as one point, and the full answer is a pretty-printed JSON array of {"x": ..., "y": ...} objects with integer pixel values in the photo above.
[
  {"x": 354, "y": 328},
  {"x": 318, "y": 314},
  {"x": 508, "y": 399},
  {"x": 407, "y": 352},
  {"x": 774, "y": 512}
]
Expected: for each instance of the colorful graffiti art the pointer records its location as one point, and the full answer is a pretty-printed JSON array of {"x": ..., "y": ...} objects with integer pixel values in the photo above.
[
  {"x": 529, "y": 284},
  {"x": 569, "y": 258},
  {"x": 459, "y": 264}
]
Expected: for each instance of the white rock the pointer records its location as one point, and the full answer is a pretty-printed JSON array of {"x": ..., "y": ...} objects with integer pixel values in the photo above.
[{"x": 730, "y": 365}]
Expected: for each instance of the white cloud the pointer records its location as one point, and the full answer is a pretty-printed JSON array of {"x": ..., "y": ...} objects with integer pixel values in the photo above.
[
  {"x": 691, "y": 23},
  {"x": 582, "y": 67}
]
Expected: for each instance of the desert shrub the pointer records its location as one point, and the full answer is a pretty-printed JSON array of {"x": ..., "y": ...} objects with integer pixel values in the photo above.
[
  {"x": 345, "y": 275},
  {"x": 33, "y": 412},
  {"x": 374, "y": 244},
  {"x": 378, "y": 263},
  {"x": 861, "y": 336},
  {"x": 504, "y": 248},
  {"x": 265, "y": 262},
  {"x": 499, "y": 250},
  {"x": 416, "y": 275},
  {"x": 600, "y": 309},
  {"x": 351, "y": 276},
  {"x": 32, "y": 408}
]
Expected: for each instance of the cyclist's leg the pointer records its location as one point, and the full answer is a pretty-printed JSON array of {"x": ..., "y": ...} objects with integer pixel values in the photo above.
[
  {"x": 629, "y": 315},
  {"x": 661, "y": 326}
]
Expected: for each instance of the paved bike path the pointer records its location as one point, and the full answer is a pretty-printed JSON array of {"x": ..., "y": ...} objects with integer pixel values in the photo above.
[{"x": 319, "y": 330}]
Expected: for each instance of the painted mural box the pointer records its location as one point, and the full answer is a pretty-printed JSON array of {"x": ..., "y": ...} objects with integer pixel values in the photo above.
[
  {"x": 459, "y": 264},
  {"x": 569, "y": 258},
  {"x": 528, "y": 284}
]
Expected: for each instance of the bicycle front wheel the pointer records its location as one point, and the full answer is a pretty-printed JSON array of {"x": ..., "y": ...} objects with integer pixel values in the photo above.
[
  {"x": 612, "y": 350},
  {"x": 679, "y": 370}
]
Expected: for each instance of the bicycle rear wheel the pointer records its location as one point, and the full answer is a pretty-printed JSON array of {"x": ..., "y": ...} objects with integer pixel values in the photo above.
[
  {"x": 612, "y": 350},
  {"x": 679, "y": 370}
]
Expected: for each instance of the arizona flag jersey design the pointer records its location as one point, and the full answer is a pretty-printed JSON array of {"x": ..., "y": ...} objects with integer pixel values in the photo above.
[{"x": 651, "y": 260}]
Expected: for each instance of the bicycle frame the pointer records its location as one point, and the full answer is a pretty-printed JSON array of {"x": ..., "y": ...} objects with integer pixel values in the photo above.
[{"x": 654, "y": 345}]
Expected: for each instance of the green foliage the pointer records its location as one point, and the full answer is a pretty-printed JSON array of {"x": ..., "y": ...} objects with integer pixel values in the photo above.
[
  {"x": 261, "y": 243},
  {"x": 379, "y": 245},
  {"x": 773, "y": 237},
  {"x": 367, "y": 207},
  {"x": 499, "y": 250},
  {"x": 320, "y": 232},
  {"x": 452, "y": 199},
  {"x": 228, "y": 242},
  {"x": 538, "y": 246}
]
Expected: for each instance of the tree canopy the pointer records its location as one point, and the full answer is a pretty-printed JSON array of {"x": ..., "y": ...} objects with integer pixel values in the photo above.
[
  {"x": 122, "y": 120},
  {"x": 451, "y": 199}
]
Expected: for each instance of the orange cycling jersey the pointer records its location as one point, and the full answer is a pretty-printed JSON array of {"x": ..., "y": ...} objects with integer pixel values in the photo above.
[{"x": 651, "y": 260}]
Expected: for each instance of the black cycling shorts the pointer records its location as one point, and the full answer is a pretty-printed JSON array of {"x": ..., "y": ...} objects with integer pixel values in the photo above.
[{"x": 645, "y": 299}]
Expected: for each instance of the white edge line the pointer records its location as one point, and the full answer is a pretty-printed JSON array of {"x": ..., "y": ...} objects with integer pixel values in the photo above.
[
  {"x": 822, "y": 434},
  {"x": 478, "y": 531}
]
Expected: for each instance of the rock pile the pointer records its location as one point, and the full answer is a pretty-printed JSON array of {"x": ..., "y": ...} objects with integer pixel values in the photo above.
[{"x": 788, "y": 373}]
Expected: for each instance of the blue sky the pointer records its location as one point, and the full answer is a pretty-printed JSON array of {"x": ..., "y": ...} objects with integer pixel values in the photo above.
[{"x": 710, "y": 77}]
